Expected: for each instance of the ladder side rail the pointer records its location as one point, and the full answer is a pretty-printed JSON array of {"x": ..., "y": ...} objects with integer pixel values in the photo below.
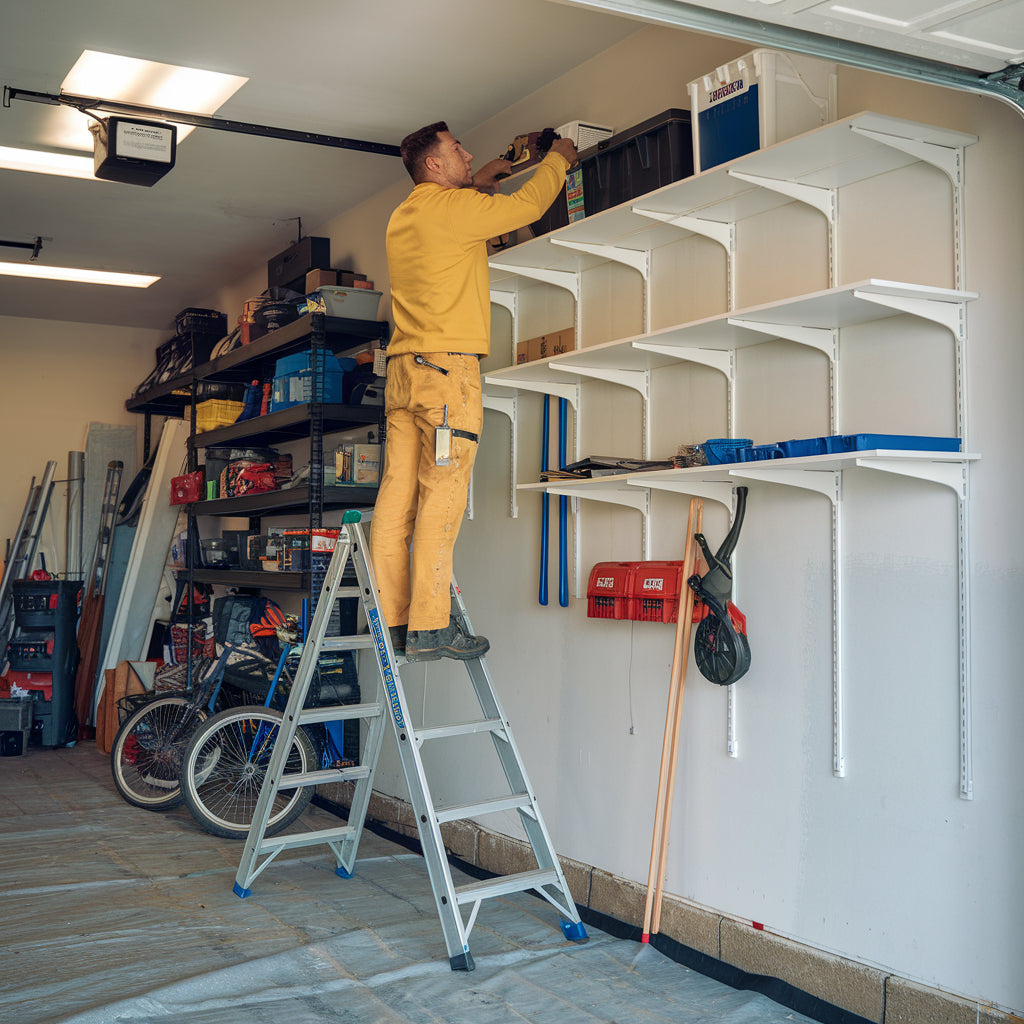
[
  {"x": 12, "y": 558},
  {"x": 290, "y": 723},
  {"x": 515, "y": 771},
  {"x": 431, "y": 841}
]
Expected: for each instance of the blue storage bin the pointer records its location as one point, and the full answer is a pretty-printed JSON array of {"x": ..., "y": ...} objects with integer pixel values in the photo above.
[
  {"x": 804, "y": 447},
  {"x": 718, "y": 450},
  {"x": 898, "y": 442},
  {"x": 760, "y": 453},
  {"x": 293, "y": 383}
]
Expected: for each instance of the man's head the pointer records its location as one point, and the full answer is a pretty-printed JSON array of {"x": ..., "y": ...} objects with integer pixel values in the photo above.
[{"x": 433, "y": 154}]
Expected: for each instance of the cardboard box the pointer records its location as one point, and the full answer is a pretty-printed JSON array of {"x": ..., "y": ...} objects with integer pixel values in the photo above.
[
  {"x": 562, "y": 341},
  {"x": 553, "y": 344},
  {"x": 316, "y": 278},
  {"x": 357, "y": 464}
]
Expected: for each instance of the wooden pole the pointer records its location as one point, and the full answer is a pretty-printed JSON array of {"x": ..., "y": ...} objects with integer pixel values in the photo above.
[
  {"x": 686, "y": 619},
  {"x": 679, "y": 657}
]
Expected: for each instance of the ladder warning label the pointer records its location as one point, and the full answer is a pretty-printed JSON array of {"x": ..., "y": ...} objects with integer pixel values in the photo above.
[{"x": 386, "y": 671}]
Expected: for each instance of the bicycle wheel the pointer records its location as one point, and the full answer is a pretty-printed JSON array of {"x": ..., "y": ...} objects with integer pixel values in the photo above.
[
  {"x": 145, "y": 759},
  {"x": 224, "y": 766},
  {"x": 718, "y": 659}
]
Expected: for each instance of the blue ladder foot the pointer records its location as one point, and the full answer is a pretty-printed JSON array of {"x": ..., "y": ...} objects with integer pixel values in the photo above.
[
  {"x": 240, "y": 892},
  {"x": 462, "y": 962},
  {"x": 574, "y": 930},
  {"x": 342, "y": 873}
]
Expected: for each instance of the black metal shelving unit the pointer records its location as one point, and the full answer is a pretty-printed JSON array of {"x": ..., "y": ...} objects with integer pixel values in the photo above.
[{"x": 310, "y": 420}]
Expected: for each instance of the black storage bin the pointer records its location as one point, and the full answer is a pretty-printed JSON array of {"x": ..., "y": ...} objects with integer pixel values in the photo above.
[
  {"x": 288, "y": 269},
  {"x": 639, "y": 160},
  {"x": 208, "y": 322}
]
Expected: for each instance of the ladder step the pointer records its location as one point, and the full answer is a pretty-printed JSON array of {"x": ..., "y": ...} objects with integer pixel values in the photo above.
[
  {"x": 513, "y": 802},
  {"x": 504, "y": 884},
  {"x": 324, "y": 835},
  {"x": 339, "y": 712},
  {"x": 296, "y": 780},
  {"x": 461, "y": 729},
  {"x": 346, "y": 643}
]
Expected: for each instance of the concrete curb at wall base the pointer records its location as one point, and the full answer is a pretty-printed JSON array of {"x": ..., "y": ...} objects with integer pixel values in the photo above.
[{"x": 864, "y": 991}]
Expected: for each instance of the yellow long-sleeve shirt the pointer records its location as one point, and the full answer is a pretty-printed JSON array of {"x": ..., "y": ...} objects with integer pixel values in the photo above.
[{"x": 437, "y": 259}]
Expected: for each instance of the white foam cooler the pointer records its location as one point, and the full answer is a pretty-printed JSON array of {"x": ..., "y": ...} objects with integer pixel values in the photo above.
[{"x": 758, "y": 99}]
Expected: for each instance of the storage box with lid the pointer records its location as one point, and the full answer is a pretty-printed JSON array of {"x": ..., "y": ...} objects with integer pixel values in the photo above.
[
  {"x": 758, "y": 99},
  {"x": 636, "y": 161},
  {"x": 353, "y": 303},
  {"x": 293, "y": 379}
]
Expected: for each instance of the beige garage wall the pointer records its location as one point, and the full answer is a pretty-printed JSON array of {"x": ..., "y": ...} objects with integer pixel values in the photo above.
[{"x": 57, "y": 379}]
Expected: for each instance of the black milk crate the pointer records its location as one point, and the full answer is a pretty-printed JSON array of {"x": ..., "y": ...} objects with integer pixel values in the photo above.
[{"x": 208, "y": 322}]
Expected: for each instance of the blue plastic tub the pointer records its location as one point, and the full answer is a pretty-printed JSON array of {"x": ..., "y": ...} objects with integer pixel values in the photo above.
[
  {"x": 293, "y": 383},
  {"x": 761, "y": 452},
  {"x": 804, "y": 447},
  {"x": 719, "y": 450},
  {"x": 895, "y": 442}
]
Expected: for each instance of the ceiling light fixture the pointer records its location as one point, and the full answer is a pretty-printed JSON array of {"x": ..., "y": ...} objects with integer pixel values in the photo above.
[
  {"x": 76, "y": 274},
  {"x": 46, "y": 163}
]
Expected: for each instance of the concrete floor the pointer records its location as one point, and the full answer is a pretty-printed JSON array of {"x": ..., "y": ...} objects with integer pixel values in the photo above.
[{"x": 114, "y": 914}]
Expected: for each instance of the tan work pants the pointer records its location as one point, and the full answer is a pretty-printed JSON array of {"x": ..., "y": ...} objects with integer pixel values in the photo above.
[{"x": 420, "y": 503}]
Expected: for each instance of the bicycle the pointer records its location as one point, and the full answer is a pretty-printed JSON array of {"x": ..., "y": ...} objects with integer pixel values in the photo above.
[{"x": 226, "y": 761}]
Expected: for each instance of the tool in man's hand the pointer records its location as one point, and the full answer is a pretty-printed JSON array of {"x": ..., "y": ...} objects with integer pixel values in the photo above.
[
  {"x": 720, "y": 646},
  {"x": 523, "y": 147}
]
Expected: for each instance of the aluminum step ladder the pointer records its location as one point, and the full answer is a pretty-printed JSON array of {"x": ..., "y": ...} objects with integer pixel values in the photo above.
[
  {"x": 24, "y": 547},
  {"x": 546, "y": 879}
]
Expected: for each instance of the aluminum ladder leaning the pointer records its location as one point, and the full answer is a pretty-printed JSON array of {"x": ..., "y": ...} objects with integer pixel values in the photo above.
[{"x": 546, "y": 878}]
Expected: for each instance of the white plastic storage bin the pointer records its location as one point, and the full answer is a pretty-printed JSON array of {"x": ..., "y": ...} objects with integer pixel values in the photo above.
[
  {"x": 757, "y": 100},
  {"x": 354, "y": 303}
]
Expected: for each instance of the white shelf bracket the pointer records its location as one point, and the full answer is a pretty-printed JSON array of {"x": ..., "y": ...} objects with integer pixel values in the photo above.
[
  {"x": 570, "y": 392},
  {"x": 830, "y": 484},
  {"x": 507, "y": 405},
  {"x": 949, "y": 160},
  {"x": 822, "y": 199},
  {"x": 949, "y": 474},
  {"x": 637, "y": 380},
  {"x": 567, "y": 279},
  {"x": 951, "y": 315},
  {"x": 638, "y": 259},
  {"x": 824, "y": 339},
  {"x": 723, "y": 361},
  {"x": 722, "y": 232},
  {"x": 709, "y": 490},
  {"x": 616, "y": 494}
]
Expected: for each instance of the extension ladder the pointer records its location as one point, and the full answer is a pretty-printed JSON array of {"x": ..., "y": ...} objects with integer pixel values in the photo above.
[{"x": 546, "y": 879}]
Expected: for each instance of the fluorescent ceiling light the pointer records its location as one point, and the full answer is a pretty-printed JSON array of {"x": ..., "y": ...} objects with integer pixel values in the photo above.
[
  {"x": 868, "y": 16},
  {"x": 110, "y": 76},
  {"x": 46, "y": 163},
  {"x": 74, "y": 274}
]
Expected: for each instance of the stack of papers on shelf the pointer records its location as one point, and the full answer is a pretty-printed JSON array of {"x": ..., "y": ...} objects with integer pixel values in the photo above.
[{"x": 602, "y": 465}]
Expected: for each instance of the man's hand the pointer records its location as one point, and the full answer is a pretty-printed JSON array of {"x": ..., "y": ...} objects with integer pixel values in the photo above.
[
  {"x": 565, "y": 148},
  {"x": 486, "y": 179}
]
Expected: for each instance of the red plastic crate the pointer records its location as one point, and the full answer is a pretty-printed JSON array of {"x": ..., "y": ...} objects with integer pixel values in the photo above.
[
  {"x": 654, "y": 591},
  {"x": 608, "y": 590}
]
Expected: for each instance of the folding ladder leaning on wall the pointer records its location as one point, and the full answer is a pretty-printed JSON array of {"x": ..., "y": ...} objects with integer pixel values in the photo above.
[{"x": 547, "y": 878}]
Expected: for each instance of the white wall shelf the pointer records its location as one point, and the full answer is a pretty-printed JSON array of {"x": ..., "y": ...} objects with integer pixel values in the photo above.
[{"x": 809, "y": 170}]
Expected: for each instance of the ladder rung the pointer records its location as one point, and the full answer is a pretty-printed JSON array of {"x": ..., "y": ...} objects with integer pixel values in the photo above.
[
  {"x": 461, "y": 729},
  {"x": 505, "y": 884},
  {"x": 296, "y": 780},
  {"x": 324, "y": 835},
  {"x": 340, "y": 712},
  {"x": 515, "y": 801},
  {"x": 346, "y": 643}
]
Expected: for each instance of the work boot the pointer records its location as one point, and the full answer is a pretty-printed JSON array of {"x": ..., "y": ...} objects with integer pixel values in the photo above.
[
  {"x": 450, "y": 642},
  {"x": 398, "y": 635}
]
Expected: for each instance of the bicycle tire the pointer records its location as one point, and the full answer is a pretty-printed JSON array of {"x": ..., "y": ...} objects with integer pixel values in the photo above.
[
  {"x": 224, "y": 766},
  {"x": 717, "y": 658},
  {"x": 145, "y": 758}
]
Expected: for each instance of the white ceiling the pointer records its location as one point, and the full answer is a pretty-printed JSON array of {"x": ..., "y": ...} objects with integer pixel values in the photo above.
[{"x": 363, "y": 69}]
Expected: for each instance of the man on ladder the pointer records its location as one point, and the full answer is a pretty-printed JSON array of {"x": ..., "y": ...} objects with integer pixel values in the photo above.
[{"x": 440, "y": 297}]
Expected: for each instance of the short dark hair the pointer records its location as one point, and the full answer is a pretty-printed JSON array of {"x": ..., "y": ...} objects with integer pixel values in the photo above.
[{"x": 417, "y": 146}]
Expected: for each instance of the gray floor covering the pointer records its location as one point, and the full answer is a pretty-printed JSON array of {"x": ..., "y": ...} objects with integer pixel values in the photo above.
[{"x": 114, "y": 914}]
